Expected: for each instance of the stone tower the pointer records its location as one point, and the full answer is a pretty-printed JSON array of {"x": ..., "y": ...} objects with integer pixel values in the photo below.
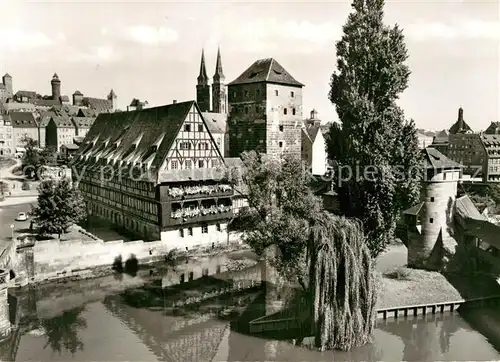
[
  {"x": 112, "y": 98},
  {"x": 7, "y": 81},
  {"x": 5, "y": 327},
  {"x": 428, "y": 223},
  {"x": 219, "y": 93},
  {"x": 202, "y": 88},
  {"x": 56, "y": 87},
  {"x": 265, "y": 104}
]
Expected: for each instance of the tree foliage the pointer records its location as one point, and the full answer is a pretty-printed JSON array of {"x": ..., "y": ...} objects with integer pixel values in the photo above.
[
  {"x": 59, "y": 206},
  {"x": 371, "y": 74},
  {"x": 62, "y": 331},
  {"x": 326, "y": 254},
  {"x": 34, "y": 158}
]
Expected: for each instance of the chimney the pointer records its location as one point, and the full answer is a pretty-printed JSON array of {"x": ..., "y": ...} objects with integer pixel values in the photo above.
[{"x": 174, "y": 101}]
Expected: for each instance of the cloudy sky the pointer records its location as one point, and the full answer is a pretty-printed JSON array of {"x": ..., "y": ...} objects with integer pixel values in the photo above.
[{"x": 151, "y": 50}]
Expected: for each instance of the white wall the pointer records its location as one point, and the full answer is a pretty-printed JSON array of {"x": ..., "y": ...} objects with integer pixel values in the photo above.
[{"x": 319, "y": 155}]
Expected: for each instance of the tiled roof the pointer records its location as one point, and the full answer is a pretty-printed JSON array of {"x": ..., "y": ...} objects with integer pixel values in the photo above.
[
  {"x": 312, "y": 132},
  {"x": 216, "y": 122},
  {"x": 484, "y": 230},
  {"x": 23, "y": 120},
  {"x": 464, "y": 207},
  {"x": 493, "y": 128},
  {"x": 46, "y": 102},
  {"x": 266, "y": 70},
  {"x": 414, "y": 210},
  {"x": 83, "y": 122},
  {"x": 78, "y": 140},
  {"x": 86, "y": 112},
  {"x": 77, "y": 93},
  {"x": 28, "y": 94},
  {"x": 62, "y": 119},
  {"x": 490, "y": 140},
  {"x": 433, "y": 159},
  {"x": 9, "y": 106},
  {"x": 64, "y": 98},
  {"x": 45, "y": 118},
  {"x": 158, "y": 124},
  {"x": 98, "y": 104}
]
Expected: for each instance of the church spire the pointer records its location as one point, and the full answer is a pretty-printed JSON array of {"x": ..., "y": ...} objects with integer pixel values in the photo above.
[
  {"x": 203, "y": 77},
  {"x": 219, "y": 74}
]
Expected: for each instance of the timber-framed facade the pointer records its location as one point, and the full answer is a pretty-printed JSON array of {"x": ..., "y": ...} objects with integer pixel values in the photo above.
[{"x": 158, "y": 173}]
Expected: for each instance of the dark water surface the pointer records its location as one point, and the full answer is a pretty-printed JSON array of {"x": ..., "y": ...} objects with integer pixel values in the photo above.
[
  {"x": 118, "y": 328},
  {"x": 125, "y": 318}
]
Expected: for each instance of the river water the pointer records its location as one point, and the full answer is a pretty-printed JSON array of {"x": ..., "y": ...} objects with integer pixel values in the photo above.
[{"x": 125, "y": 318}]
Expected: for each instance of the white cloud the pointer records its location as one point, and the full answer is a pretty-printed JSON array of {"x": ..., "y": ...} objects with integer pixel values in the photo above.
[
  {"x": 269, "y": 34},
  {"x": 96, "y": 54},
  {"x": 459, "y": 29},
  {"x": 151, "y": 35},
  {"x": 19, "y": 40}
]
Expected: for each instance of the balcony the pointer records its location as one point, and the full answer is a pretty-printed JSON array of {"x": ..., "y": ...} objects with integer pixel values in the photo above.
[
  {"x": 199, "y": 192},
  {"x": 198, "y": 215}
]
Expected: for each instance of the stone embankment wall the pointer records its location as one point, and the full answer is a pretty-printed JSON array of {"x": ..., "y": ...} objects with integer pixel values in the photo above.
[{"x": 82, "y": 258}]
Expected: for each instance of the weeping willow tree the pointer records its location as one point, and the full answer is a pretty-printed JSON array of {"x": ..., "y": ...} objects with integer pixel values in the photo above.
[
  {"x": 341, "y": 283},
  {"x": 327, "y": 255}
]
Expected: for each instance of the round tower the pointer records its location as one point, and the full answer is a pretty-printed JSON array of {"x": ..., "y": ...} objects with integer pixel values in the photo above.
[
  {"x": 434, "y": 214},
  {"x": 56, "y": 86}
]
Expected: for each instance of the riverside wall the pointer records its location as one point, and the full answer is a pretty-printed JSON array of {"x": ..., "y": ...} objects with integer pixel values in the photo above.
[{"x": 53, "y": 259}]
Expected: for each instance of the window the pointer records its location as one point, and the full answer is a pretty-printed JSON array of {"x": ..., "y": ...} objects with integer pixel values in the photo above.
[
  {"x": 280, "y": 144},
  {"x": 444, "y": 175},
  {"x": 189, "y": 164},
  {"x": 214, "y": 163},
  {"x": 432, "y": 199},
  {"x": 234, "y": 94},
  {"x": 246, "y": 110},
  {"x": 200, "y": 128},
  {"x": 284, "y": 111},
  {"x": 200, "y": 164},
  {"x": 293, "y": 111},
  {"x": 190, "y": 231},
  {"x": 204, "y": 272},
  {"x": 174, "y": 165},
  {"x": 431, "y": 220},
  {"x": 185, "y": 146},
  {"x": 246, "y": 94},
  {"x": 218, "y": 227},
  {"x": 281, "y": 128},
  {"x": 191, "y": 276},
  {"x": 204, "y": 229},
  {"x": 292, "y": 94},
  {"x": 217, "y": 269},
  {"x": 276, "y": 93},
  {"x": 182, "y": 278},
  {"x": 257, "y": 92},
  {"x": 181, "y": 233}
]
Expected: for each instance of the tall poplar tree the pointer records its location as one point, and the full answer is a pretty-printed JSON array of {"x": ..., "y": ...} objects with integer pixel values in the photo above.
[{"x": 371, "y": 74}]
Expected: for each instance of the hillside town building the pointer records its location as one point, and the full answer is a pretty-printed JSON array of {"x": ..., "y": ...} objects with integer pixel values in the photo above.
[
  {"x": 156, "y": 172},
  {"x": 7, "y": 146}
]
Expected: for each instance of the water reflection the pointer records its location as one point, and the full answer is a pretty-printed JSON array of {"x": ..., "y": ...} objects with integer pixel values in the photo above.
[
  {"x": 62, "y": 331},
  {"x": 143, "y": 323}
]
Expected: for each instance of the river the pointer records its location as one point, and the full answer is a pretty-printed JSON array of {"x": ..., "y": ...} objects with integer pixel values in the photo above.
[{"x": 125, "y": 318}]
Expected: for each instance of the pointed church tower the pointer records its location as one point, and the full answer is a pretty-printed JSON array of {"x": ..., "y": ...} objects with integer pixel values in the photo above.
[
  {"x": 202, "y": 88},
  {"x": 219, "y": 92}
]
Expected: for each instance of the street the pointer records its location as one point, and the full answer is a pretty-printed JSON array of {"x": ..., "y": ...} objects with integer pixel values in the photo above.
[{"x": 8, "y": 215}]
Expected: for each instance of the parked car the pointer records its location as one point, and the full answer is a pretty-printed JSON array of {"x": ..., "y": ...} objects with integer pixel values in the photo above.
[{"x": 22, "y": 216}]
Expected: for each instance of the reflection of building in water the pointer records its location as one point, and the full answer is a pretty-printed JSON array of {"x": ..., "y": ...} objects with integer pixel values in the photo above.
[
  {"x": 195, "y": 342},
  {"x": 424, "y": 339}
]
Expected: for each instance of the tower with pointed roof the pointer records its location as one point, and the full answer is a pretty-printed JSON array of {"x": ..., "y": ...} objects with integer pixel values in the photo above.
[
  {"x": 202, "y": 87},
  {"x": 112, "y": 98},
  {"x": 265, "y": 104},
  {"x": 56, "y": 87},
  {"x": 219, "y": 92}
]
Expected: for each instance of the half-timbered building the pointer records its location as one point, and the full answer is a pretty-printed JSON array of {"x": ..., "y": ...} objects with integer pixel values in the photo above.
[{"x": 156, "y": 172}]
